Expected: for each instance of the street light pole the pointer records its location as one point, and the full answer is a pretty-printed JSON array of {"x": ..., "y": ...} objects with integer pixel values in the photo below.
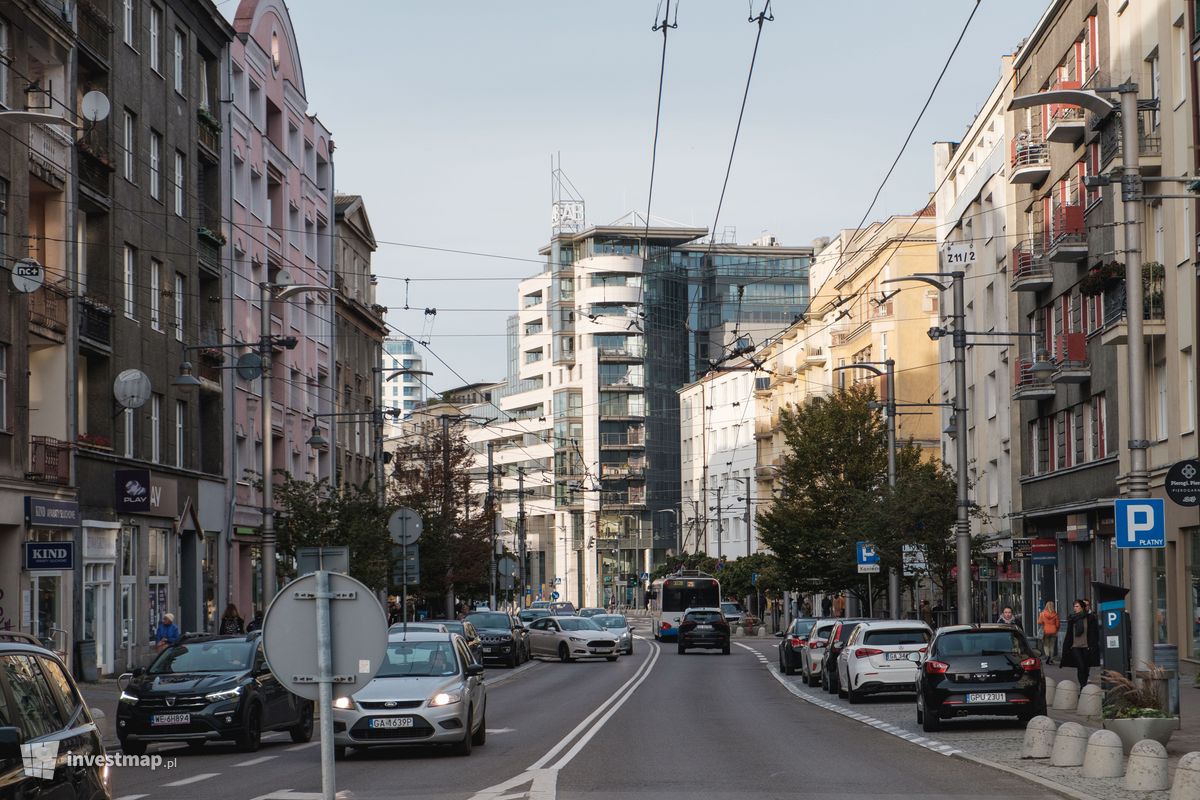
[
  {"x": 962, "y": 525},
  {"x": 268, "y": 456}
]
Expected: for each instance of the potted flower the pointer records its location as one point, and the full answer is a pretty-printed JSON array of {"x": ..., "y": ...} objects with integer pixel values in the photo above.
[
  {"x": 208, "y": 119},
  {"x": 216, "y": 237},
  {"x": 95, "y": 440},
  {"x": 1101, "y": 278},
  {"x": 1135, "y": 710},
  {"x": 212, "y": 355}
]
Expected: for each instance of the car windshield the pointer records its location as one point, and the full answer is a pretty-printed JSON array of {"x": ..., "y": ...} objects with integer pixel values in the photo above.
[
  {"x": 418, "y": 660},
  {"x": 228, "y": 655},
  {"x": 491, "y": 620},
  {"x": 979, "y": 643},
  {"x": 590, "y": 612},
  {"x": 801, "y": 627},
  {"x": 729, "y": 608},
  {"x": 610, "y": 621},
  {"x": 532, "y": 614},
  {"x": 578, "y": 624},
  {"x": 703, "y": 616},
  {"x": 905, "y": 636},
  {"x": 452, "y": 626}
]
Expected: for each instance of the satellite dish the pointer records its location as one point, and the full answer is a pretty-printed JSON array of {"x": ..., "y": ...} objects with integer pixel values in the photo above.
[
  {"x": 27, "y": 275},
  {"x": 95, "y": 106},
  {"x": 132, "y": 388},
  {"x": 249, "y": 366},
  {"x": 284, "y": 278}
]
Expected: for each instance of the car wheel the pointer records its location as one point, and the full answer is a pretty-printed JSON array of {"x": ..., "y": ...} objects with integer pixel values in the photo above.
[
  {"x": 514, "y": 659},
  {"x": 133, "y": 748},
  {"x": 725, "y": 649},
  {"x": 681, "y": 648},
  {"x": 930, "y": 723},
  {"x": 841, "y": 690},
  {"x": 303, "y": 730},
  {"x": 480, "y": 736},
  {"x": 854, "y": 697},
  {"x": 463, "y": 747},
  {"x": 250, "y": 736},
  {"x": 629, "y": 651},
  {"x": 788, "y": 669},
  {"x": 564, "y": 653}
]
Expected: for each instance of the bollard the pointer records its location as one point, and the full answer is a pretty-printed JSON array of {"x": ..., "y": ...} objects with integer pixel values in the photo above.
[
  {"x": 1187, "y": 778},
  {"x": 1050, "y": 684},
  {"x": 1066, "y": 696},
  {"x": 1147, "y": 770},
  {"x": 1039, "y": 738},
  {"x": 762, "y": 631},
  {"x": 1070, "y": 745},
  {"x": 739, "y": 631},
  {"x": 1091, "y": 701},
  {"x": 1104, "y": 757}
]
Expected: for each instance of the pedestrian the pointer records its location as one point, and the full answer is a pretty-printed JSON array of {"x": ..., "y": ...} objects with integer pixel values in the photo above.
[
  {"x": 167, "y": 633},
  {"x": 826, "y": 606},
  {"x": 926, "y": 613},
  {"x": 231, "y": 621},
  {"x": 839, "y": 606},
  {"x": 1048, "y": 619},
  {"x": 1082, "y": 648},
  {"x": 256, "y": 622},
  {"x": 807, "y": 609},
  {"x": 1008, "y": 618}
]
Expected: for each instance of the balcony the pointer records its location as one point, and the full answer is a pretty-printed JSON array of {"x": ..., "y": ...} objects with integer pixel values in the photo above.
[
  {"x": 626, "y": 353},
  {"x": 49, "y": 154},
  {"x": 208, "y": 134},
  {"x": 628, "y": 383},
  {"x": 1068, "y": 123},
  {"x": 49, "y": 461},
  {"x": 48, "y": 313},
  {"x": 95, "y": 30},
  {"x": 1154, "y": 325},
  {"x": 95, "y": 325},
  {"x": 1071, "y": 359},
  {"x": 1027, "y": 386},
  {"x": 1150, "y": 144},
  {"x": 1066, "y": 240},
  {"x": 633, "y": 438},
  {"x": 635, "y": 496},
  {"x": 1030, "y": 159},
  {"x": 1030, "y": 269},
  {"x": 763, "y": 429},
  {"x": 816, "y": 358},
  {"x": 95, "y": 163},
  {"x": 635, "y": 469}
]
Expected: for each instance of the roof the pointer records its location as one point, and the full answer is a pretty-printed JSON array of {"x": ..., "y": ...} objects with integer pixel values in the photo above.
[{"x": 420, "y": 636}]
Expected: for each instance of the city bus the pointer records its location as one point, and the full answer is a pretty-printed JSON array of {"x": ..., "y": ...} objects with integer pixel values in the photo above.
[{"x": 676, "y": 593}]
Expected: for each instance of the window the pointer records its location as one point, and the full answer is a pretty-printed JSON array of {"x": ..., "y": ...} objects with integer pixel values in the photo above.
[
  {"x": 180, "y": 164},
  {"x": 129, "y": 450},
  {"x": 128, "y": 287},
  {"x": 178, "y": 57},
  {"x": 127, "y": 29},
  {"x": 180, "y": 285},
  {"x": 39, "y": 714},
  {"x": 3, "y": 387},
  {"x": 3, "y": 205},
  {"x": 180, "y": 440},
  {"x": 130, "y": 144},
  {"x": 156, "y": 268},
  {"x": 5, "y": 57},
  {"x": 1155, "y": 93},
  {"x": 1189, "y": 386},
  {"x": 156, "y": 165},
  {"x": 156, "y": 18},
  {"x": 156, "y": 428},
  {"x": 1098, "y": 433},
  {"x": 1182, "y": 61},
  {"x": 1158, "y": 374},
  {"x": 989, "y": 395}
]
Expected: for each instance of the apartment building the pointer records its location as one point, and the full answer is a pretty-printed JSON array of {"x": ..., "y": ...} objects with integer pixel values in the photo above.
[{"x": 401, "y": 390}]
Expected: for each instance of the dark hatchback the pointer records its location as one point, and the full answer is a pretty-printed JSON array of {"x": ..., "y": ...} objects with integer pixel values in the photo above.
[
  {"x": 504, "y": 637},
  {"x": 703, "y": 628},
  {"x": 795, "y": 639},
  {"x": 837, "y": 641},
  {"x": 979, "y": 669},
  {"x": 208, "y": 688},
  {"x": 465, "y": 629}
]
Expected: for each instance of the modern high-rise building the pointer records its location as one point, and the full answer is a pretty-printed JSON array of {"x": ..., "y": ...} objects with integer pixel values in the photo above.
[{"x": 405, "y": 391}]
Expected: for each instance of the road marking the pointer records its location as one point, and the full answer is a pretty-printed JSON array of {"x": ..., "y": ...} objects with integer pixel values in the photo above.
[
  {"x": 132, "y": 797},
  {"x": 254, "y": 761},
  {"x": 494, "y": 731},
  {"x": 304, "y": 746},
  {"x": 203, "y": 776}
]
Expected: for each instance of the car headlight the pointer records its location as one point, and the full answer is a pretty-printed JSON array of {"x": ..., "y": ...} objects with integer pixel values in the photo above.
[
  {"x": 445, "y": 699},
  {"x": 578, "y": 639},
  {"x": 224, "y": 694},
  {"x": 126, "y": 697},
  {"x": 343, "y": 703}
]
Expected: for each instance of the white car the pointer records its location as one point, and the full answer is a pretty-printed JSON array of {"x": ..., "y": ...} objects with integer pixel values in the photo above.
[
  {"x": 812, "y": 655},
  {"x": 876, "y": 659},
  {"x": 569, "y": 638}
]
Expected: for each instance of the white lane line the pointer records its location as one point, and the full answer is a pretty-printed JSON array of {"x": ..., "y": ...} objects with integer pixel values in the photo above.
[
  {"x": 132, "y": 797},
  {"x": 203, "y": 776},
  {"x": 253, "y": 761},
  {"x": 304, "y": 746}
]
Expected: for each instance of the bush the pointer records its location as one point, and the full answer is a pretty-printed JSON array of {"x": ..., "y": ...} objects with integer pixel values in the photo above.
[{"x": 1130, "y": 699}]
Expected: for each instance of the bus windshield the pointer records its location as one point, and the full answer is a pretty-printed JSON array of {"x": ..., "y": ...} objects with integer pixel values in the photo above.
[{"x": 680, "y": 594}]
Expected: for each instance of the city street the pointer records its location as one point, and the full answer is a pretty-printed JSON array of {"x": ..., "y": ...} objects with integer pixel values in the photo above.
[{"x": 656, "y": 724}]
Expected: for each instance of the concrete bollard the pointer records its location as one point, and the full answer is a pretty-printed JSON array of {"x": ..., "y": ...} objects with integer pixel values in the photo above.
[
  {"x": 1066, "y": 696},
  {"x": 1091, "y": 701},
  {"x": 1147, "y": 770},
  {"x": 1070, "y": 745},
  {"x": 1187, "y": 778},
  {"x": 1104, "y": 758},
  {"x": 1050, "y": 684},
  {"x": 762, "y": 631},
  {"x": 1039, "y": 738},
  {"x": 739, "y": 631}
]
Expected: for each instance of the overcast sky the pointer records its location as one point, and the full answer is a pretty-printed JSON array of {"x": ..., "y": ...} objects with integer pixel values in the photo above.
[{"x": 445, "y": 115}]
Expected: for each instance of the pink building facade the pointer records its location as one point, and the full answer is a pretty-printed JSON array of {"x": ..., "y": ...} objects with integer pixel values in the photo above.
[{"x": 281, "y": 233}]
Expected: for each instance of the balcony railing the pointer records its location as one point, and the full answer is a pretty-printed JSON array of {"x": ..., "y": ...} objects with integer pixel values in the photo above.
[
  {"x": 1030, "y": 151},
  {"x": 632, "y": 438},
  {"x": 1067, "y": 225},
  {"x": 1071, "y": 358},
  {"x": 95, "y": 29},
  {"x": 50, "y": 150},
  {"x": 95, "y": 323},
  {"x": 1150, "y": 144},
  {"x": 1030, "y": 270},
  {"x": 1028, "y": 385},
  {"x": 48, "y": 309},
  {"x": 49, "y": 460},
  {"x": 1153, "y": 303},
  {"x": 628, "y": 351}
]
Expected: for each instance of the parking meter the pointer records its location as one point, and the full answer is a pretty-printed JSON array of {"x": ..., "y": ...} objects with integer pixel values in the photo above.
[{"x": 1114, "y": 626}]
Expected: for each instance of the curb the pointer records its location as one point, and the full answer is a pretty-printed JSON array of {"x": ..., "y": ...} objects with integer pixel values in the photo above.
[{"x": 1057, "y": 788}]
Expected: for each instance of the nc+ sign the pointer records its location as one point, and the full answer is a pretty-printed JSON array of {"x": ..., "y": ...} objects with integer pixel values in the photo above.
[{"x": 1141, "y": 523}]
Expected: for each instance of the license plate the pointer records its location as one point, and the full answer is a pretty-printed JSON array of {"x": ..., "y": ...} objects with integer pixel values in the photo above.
[
  {"x": 896, "y": 657},
  {"x": 986, "y": 697},
  {"x": 487, "y": 649},
  {"x": 171, "y": 719},
  {"x": 392, "y": 722},
  {"x": 704, "y": 627}
]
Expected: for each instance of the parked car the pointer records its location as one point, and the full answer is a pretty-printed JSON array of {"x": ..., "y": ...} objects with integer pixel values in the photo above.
[
  {"x": 703, "y": 628},
  {"x": 590, "y": 612},
  {"x": 504, "y": 638},
  {"x": 530, "y": 614},
  {"x": 206, "y": 688},
  {"x": 733, "y": 613},
  {"x": 465, "y": 629},
  {"x": 617, "y": 625},
  {"x": 424, "y": 627},
  {"x": 876, "y": 658},
  {"x": 979, "y": 669},
  {"x": 429, "y": 690},
  {"x": 46, "y": 708},
  {"x": 812, "y": 655},
  {"x": 794, "y": 640},
  {"x": 569, "y": 638},
  {"x": 540, "y": 604},
  {"x": 837, "y": 640},
  {"x": 562, "y": 609}
]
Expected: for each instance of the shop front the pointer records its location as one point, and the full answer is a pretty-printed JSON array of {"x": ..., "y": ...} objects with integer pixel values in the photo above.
[
  {"x": 48, "y": 563},
  {"x": 98, "y": 589}
]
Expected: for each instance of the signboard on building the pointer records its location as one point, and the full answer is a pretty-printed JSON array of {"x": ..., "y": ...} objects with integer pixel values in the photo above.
[
  {"x": 137, "y": 491},
  {"x": 49, "y": 555},
  {"x": 1044, "y": 551},
  {"x": 958, "y": 255},
  {"x": 1022, "y": 547},
  {"x": 43, "y": 513},
  {"x": 1183, "y": 483},
  {"x": 1077, "y": 528}
]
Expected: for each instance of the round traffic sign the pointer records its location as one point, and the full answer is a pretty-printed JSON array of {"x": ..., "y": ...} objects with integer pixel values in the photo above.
[
  {"x": 357, "y": 627},
  {"x": 27, "y": 275},
  {"x": 508, "y": 566},
  {"x": 554, "y": 595},
  {"x": 405, "y": 526},
  {"x": 1183, "y": 483}
]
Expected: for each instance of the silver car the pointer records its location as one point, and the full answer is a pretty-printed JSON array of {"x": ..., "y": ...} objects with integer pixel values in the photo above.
[
  {"x": 569, "y": 638},
  {"x": 429, "y": 690},
  {"x": 617, "y": 625}
]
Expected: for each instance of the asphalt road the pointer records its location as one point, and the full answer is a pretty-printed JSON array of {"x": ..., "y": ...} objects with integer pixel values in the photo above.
[{"x": 655, "y": 725}]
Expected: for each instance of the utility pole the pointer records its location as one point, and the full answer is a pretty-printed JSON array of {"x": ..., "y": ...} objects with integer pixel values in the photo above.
[
  {"x": 962, "y": 525},
  {"x": 491, "y": 504},
  {"x": 521, "y": 536},
  {"x": 893, "y": 574},
  {"x": 720, "y": 522},
  {"x": 446, "y": 507},
  {"x": 749, "y": 518},
  {"x": 269, "y": 584}
]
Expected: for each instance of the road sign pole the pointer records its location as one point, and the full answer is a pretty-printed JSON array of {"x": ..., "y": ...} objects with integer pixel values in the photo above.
[
  {"x": 325, "y": 687},
  {"x": 870, "y": 611},
  {"x": 404, "y": 581}
]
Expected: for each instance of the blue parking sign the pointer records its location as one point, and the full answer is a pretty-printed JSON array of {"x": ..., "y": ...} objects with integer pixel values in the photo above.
[
  {"x": 865, "y": 553},
  {"x": 1141, "y": 523}
]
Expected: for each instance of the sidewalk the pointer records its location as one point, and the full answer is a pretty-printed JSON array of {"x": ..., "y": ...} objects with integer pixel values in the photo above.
[{"x": 103, "y": 696}]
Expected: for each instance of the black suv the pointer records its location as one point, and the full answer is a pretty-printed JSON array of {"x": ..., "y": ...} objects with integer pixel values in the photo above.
[
  {"x": 704, "y": 628},
  {"x": 40, "y": 705},
  {"x": 504, "y": 637},
  {"x": 206, "y": 688}
]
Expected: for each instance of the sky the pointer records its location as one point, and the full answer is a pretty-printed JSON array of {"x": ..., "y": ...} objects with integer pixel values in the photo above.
[{"x": 446, "y": 115}]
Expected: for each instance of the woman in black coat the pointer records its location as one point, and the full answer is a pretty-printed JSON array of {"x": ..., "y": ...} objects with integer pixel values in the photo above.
[{"x": 1081, "y": 648}]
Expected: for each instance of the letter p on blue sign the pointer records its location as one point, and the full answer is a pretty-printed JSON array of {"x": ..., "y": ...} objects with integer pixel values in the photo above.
[{"x": 1141, "y": 523}]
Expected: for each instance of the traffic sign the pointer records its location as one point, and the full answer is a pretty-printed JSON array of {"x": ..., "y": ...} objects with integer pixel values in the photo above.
[
  {"x": 868, "y": 569},
  {"x": 1183, "y": 483},
  {"x": 311, "y": 559},
  {"x": 914, "y": 560},
  {"x": 1141, "y": 523},
  {"x": 405, "y": 526},
  {"x": 27, "y": 275},
  {"x": 407, "y": 565},
  {"x": 357, "y": 630},
  {"x": 554, "y": 595},
  {"x": 864, "y": 553},
  {"x": 508, "y": 567},
  {"x": 645, "y": 576}
]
